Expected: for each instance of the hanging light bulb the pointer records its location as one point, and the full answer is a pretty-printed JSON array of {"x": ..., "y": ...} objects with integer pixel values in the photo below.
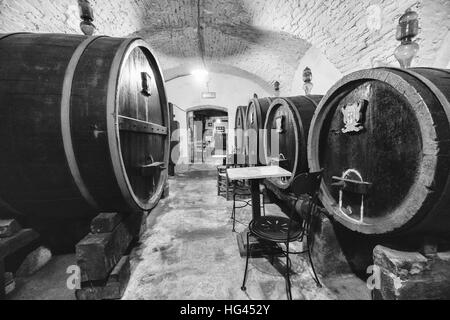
[
  {"x": 87, "y": 17},
  {"x": 407, "y": 29},
  {"x": 307, "y": 79}
]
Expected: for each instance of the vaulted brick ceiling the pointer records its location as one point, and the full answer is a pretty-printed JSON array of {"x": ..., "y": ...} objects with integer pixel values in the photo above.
[{"x": 266, "y": 38}]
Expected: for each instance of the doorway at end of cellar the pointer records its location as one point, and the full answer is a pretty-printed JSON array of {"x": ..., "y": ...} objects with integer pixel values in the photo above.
[{"x": 207, "y": 135}]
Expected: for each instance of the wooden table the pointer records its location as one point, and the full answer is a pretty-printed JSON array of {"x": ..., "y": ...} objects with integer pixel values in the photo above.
[{"x": 255, "y": 175}]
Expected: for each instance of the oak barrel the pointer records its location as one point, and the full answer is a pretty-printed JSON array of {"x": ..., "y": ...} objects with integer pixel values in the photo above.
[
  {"x": 255, "y": 118},
  {"x": 239, "y": 129},
  {"x": 286, "y": 135},
  {"x": 383, "y": 138},
  {"x": 85, "y": 127}
]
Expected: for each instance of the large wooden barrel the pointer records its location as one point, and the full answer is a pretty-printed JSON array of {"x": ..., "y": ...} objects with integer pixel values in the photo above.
[
  {"x": 383, "y": 138},
  {"x": 255, "y": 118},
  {"x": 286, "y": 135},
  {"x": 85, "y": 126},
  {"x": 239, "y": 129}
]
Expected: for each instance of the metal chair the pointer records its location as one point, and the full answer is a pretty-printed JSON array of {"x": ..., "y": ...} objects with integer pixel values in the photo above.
[
  {"x": 224, "y": 187},
  {"x": 285, "y": 230}
]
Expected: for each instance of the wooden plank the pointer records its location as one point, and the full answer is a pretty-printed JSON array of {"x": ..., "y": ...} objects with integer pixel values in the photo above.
[
  {"x": 97, "y": 254},
  {"x": 105, "y": 222},
  {"x": 140, "y": 126},
  {"x": 8, "y": 228},
  {"x": 17, "y": 241},
  {"x": 114, "y": 287}
]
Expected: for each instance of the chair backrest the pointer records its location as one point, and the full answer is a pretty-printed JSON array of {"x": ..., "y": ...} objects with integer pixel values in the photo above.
[{"x": 307, "y": 183}]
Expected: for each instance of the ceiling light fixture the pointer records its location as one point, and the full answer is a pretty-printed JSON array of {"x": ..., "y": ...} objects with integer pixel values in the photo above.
[
  {"x": 200, "y": 74},
  {"x": 87, "y": 17}
]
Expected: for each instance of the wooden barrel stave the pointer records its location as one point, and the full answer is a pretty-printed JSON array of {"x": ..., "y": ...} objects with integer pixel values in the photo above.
[{"x": 411, "y": 173}]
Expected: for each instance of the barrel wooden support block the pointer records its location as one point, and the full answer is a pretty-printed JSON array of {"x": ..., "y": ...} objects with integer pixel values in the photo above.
[
  {"x": 114, "y": 287},
  {"x": 411, "y": 275},
  {"x": 98, "y": 254},
  {"x": 9, "y": 228},
  {"x": 105, "y": 222}
]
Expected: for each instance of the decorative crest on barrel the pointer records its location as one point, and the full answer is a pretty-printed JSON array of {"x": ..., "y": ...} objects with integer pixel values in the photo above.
[{"x": 353, "y": 116}]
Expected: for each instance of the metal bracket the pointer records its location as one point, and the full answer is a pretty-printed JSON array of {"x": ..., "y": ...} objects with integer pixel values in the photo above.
[{"x": 358, "y": 187}]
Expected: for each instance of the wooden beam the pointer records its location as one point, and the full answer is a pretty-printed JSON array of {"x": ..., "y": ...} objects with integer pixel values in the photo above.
[
  {"x": 114, "y": 287},
  {"x": 97, "y": 254},
  {"x": 17, "y": 241},
  {"x": 105, "y": 222},
  {"x": 140, "y": 126}
]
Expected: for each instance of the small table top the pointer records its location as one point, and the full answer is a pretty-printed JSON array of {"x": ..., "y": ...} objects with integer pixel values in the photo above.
[{"x": 251, "y": 173}]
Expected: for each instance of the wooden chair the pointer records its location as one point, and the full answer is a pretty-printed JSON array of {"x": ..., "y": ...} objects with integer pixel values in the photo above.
[{"x": 285, "y": 230}]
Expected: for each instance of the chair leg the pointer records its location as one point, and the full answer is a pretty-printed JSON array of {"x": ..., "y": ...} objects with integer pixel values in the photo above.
[
  {"x": 316, "y": 278},
  {"x": 309, "y": 246},
  {"x": 244, "y": 288},
  {"x": 288, "y": 276},
  {"x": 233, "y": 213},
  {"x": 263, "y": 205}
]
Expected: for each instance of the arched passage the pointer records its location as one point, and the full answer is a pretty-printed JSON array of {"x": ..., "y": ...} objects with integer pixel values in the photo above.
[{"x": 207, "y": 133}]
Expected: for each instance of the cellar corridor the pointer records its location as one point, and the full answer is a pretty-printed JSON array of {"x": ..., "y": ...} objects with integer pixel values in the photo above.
[{"x": 189, "y": 252}]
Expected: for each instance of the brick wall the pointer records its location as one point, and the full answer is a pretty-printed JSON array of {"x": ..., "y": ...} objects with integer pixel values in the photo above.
[{"x": 265, "y": 37}]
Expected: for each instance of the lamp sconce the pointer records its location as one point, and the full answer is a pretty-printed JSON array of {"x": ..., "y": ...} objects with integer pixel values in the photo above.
[
  {"x": 307, "y": 79},
  {"x": 276, "y": 87},
  {"x": 407, "y": 30},
  {"x": 87, "y": 17}
]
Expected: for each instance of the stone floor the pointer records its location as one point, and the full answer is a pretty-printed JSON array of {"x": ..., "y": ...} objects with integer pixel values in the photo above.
[{"x": 189, "y": 252}]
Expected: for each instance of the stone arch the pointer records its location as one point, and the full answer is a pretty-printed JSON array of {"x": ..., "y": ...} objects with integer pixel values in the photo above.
[{"x": 184, "y": 70}]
